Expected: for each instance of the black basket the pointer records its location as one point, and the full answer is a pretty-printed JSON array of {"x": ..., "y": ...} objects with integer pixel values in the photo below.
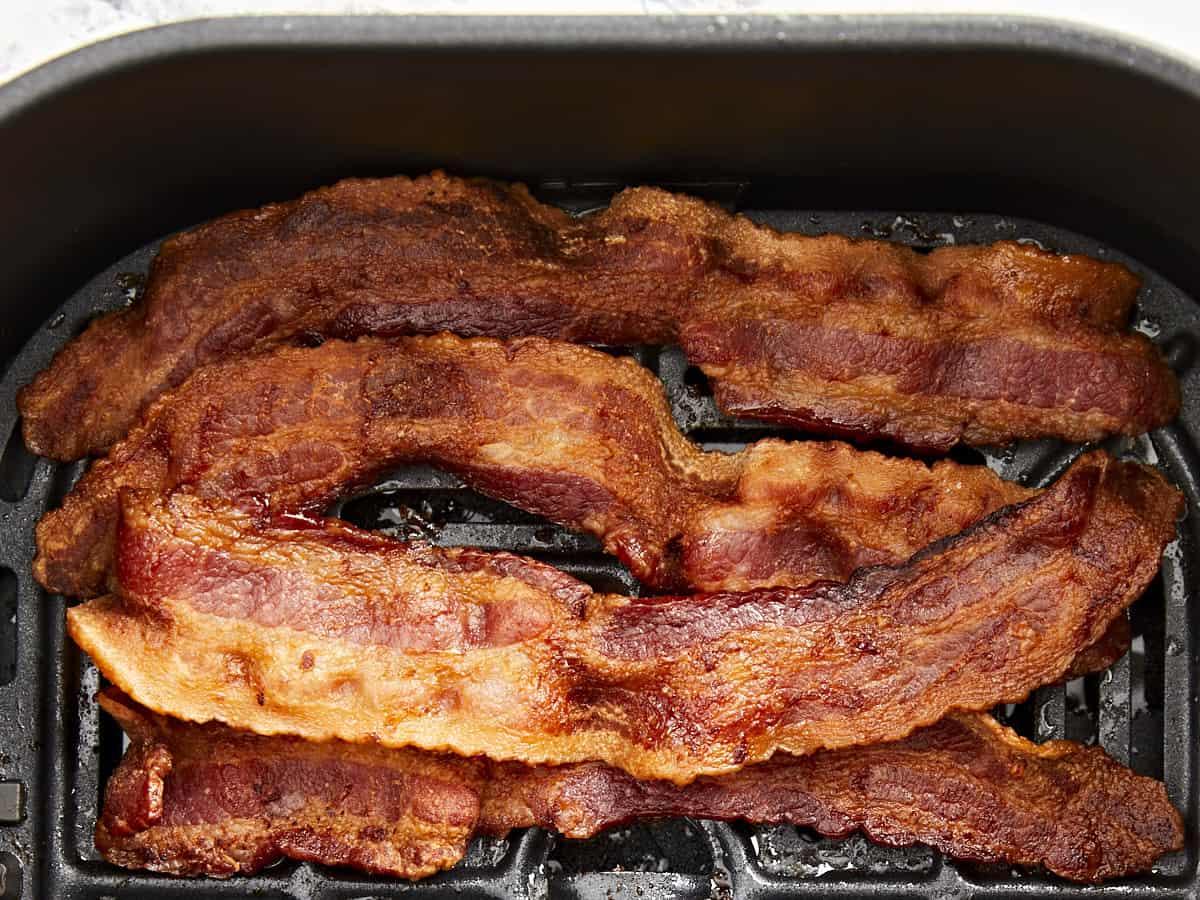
[{"x": 56, "y": 750}]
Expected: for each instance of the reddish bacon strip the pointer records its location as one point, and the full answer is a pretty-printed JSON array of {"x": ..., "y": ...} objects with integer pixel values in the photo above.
[
  {"x": 371, "y": 639},
  {"x": 906, "y": 381},
  {"x": 980, "y": 344},
  {"x": 560, "y": 430},
  {"x": 205, "y": 799}
]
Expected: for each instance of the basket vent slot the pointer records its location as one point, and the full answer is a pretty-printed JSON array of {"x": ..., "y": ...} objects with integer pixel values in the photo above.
[
  {"x": 8, "y": 625},
  {"x": 16, "y": 467}
]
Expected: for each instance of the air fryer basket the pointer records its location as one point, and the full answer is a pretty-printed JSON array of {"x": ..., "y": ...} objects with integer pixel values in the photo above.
[{"x": 968, "y": 131}]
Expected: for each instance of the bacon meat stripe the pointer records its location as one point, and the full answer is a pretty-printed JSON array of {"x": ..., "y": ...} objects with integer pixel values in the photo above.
[
  {"x": 193, "y": 799},
  {"x": 859, "y": 338},
  {"x": 324, "y": 631},
  {"x": 567, "y": 432},
  {"x": 554, "y": 428},
  {"x": 205, "y": 799}
]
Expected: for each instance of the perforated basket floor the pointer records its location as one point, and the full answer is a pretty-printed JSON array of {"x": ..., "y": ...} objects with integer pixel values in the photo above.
[{"x": 57, "y": 747}]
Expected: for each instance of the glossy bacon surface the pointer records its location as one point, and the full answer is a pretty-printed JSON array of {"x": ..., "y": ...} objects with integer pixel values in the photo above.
[
  {"x": 371, "y": 639},
  {"x": 205, "y": 799},
  {"x": 861, "y": 338},
  {"x": 571, "y": 433}
]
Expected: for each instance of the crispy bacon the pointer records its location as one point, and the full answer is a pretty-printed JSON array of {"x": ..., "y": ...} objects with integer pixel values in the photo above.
[
  {"x": 372, "y": 639},
  {"x": 193, "y": 799},
  {"x": 1102, "y": 654},
  {"x": 205, "y": 799},
  {"x": 862, "y": 338},
  {"x": 906, "y": 382},
  {"x": 573, "y": 434}
]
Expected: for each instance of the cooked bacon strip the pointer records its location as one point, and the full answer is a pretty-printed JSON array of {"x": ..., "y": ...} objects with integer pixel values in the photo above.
[
  {"x": 928, "y": 386},
  {"x": 980, "y": 344},
  {"x": 373, "y": 639},
  {"x": 1102, "y": 654},
  {"x": 205, "y": 799},
  {"x": 966, "y": 785},
  {"x": 570, "y": 433},
  {"x": 557, "y": 429}
]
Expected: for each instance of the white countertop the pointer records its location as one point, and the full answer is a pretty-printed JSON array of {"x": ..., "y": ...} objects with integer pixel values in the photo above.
[{"x": 33, "y": 31}]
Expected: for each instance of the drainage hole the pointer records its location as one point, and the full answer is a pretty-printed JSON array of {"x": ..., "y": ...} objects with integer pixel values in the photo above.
[{"x": 16, "y": 467}]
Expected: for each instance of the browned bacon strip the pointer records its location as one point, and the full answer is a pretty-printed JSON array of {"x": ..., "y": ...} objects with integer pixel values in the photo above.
[
  {"x": 981, "y": 344},
  {"x": 205, "y": 799},
  {"x": 567, "y": 432},
  {"x": 371, "y": 639},
  {"x": 1102, "y": 654},
  {"x": 194, "y": 799},
  {"x": 966, "y": 785},
  {"x": 906, "y": 382}
]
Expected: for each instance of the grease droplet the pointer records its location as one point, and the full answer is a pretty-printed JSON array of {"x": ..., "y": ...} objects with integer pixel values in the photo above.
[{"x": 1147, "y": 326}]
